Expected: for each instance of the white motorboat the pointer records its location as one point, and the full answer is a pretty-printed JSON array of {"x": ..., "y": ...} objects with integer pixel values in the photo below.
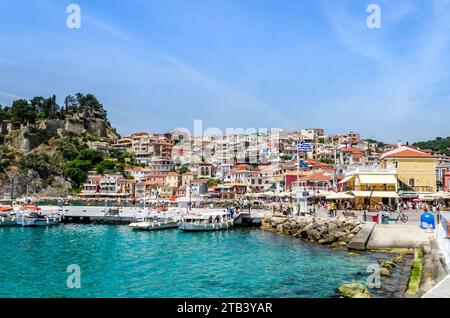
[
  {"x": 157, "y": 221},
  {"x": 31, "y": 215},
  {"x": 206, "y": 221},
  {"x": 154, "y": 224}
]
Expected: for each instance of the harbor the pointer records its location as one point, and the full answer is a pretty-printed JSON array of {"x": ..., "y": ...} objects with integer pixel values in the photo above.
[
  {"x": 116, "y": 261},
  {"x": 353, "y": 240}
]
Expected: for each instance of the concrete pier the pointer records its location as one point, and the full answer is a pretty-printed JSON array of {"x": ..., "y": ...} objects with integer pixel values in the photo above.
[
  {"x": 126, "y": 215},
  {"x": 359, "y": 242},
  {"x": 409, "y": 235},
  {"x": 103, "y": 215}
]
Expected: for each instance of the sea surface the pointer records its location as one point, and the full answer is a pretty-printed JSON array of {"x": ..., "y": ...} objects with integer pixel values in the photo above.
[{"x": 115, "y": 261}]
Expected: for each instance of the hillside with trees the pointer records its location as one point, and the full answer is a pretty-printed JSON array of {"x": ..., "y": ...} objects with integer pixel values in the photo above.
[
  {"x": 48, "y": 147},
  {"x": 438, "y": 145}
]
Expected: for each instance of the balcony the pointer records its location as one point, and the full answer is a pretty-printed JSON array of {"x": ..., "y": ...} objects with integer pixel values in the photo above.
[
  {"x": 369, "y": 170},
  {"x": 417, "y": 189}
]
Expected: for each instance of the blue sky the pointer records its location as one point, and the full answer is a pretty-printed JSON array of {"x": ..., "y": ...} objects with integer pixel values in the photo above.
[{"x": 158, "y": 65}]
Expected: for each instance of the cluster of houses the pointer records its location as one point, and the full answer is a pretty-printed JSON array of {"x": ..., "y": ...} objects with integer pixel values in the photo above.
[{"x": 258, "y": 163}]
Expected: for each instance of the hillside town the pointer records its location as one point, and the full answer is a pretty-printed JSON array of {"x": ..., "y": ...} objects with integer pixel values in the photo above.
[{"x": 270, "y": 166}]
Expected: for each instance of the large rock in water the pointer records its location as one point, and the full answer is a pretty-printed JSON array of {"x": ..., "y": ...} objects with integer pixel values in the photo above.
[{"x": 354, "y": 290}]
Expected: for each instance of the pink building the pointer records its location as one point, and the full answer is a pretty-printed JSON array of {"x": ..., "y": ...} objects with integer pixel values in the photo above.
[{"x": 446, "y": 180}]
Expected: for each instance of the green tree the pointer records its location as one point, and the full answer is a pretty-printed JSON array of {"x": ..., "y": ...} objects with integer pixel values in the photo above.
[
  {"x": 6, "y": 158},
  {"x": 68, "y": 150},
  {"x": 76, "y": 175},
  {"x": 183, "y": 169},
  {"x": 91, "y": 155},
  {"x": 84, "y": 165},
  {"x": 21, "y": 112},
  {"x": 214, "y": 182},
  {"x": 39, "y": 162},
  {"x": 105, "y": 165}
]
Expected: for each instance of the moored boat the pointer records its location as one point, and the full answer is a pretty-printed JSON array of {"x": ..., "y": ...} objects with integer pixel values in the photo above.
[
  {"x": 31, "y": 215},
  {"x": 7, "y": 216},
  {"x": 197, "y": 222},
  {"x": 154, "y": 224},
  {"x": 157, "y": 221}
]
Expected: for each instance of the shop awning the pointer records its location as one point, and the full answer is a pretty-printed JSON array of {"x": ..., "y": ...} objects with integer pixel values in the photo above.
[
  {"x": 426, "y": 197},
  {"x": 377, "y": 179},
  {"x": 441, "y": 195},
  {"x": 375, "y": 194},
  {"x": 346, "y": 179},
  {"x": 339, "y": 196}
]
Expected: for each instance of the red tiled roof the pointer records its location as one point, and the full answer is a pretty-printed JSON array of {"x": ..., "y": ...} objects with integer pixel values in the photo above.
[
  {"x": 316, "y": 177},
  {"x": 157, "y": 183},
  {"x": 409, "y": 154},
  {"x": 352, "y": 150},
  {"x": 156, "y": 175}
]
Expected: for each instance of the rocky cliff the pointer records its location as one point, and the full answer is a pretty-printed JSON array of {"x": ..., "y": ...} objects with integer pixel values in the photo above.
[{"x": 27, "y": 138}]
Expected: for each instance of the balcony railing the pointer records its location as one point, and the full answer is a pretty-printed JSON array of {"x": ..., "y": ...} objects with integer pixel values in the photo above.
[
  {"x": 369, "y": 169},
  {"x": 417, "y": 188}
]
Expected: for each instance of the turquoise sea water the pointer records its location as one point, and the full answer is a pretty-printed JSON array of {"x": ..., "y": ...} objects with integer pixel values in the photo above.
[{"x": 118, "y": 262}]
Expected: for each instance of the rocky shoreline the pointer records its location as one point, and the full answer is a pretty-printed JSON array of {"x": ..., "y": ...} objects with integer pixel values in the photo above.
[{"x": 336, "y": 232}]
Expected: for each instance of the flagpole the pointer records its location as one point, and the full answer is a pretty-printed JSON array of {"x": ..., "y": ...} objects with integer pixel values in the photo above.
[{"x": 298, "y": 167}]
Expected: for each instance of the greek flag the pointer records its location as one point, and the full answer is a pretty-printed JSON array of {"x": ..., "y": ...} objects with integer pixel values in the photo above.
[
  {"x": 303, "y": 164},
  {"x": 304, "y": 147}
]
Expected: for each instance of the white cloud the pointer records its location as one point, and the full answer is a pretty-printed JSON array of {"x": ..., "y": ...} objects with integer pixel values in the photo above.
[{"x": 402, "y": 90}]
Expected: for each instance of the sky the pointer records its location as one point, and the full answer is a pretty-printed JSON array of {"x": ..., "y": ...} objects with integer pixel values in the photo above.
[{"x": 160, "y": 65}]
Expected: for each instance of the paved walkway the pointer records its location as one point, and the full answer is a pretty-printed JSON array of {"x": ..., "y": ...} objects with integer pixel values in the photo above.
[
  {"x": 398, "y": 236},
  {"x": 441, "y": 290}
]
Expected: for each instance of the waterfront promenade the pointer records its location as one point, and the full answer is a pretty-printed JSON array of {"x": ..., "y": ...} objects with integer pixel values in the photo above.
[
  {"x": 384, "y": 236},
  {"x": 441, "y": 290}
]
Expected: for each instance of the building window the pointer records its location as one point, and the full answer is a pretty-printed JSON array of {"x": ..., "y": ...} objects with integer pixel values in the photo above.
[{"x": 412, "y": 182}]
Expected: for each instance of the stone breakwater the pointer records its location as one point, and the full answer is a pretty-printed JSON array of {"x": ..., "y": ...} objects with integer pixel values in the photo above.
[{"x": 333, "y": 232}]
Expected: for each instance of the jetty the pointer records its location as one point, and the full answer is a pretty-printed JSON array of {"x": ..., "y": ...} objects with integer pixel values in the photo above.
[
  {"x": 101, "y": 215},
  {"x": 126, "y": 215}
]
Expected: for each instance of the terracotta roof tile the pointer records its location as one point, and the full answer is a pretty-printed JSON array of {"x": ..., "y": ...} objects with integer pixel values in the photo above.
[{"x": 409, "y": 154}]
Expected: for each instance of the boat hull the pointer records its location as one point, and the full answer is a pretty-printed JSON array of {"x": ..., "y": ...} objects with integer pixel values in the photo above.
[
  {"x": 203, "y": 227},
  {"x": 7, "y": 220},
  {"x": 31, "y": 222},
  {"x": 8, "y": 223},
  {"x": 153, "y": 226}
]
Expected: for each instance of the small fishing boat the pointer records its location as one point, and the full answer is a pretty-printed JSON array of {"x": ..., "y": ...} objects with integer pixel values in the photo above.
[
  {"x": 7, "y": 216},
  {"x": 196, "y": 222},
  {"x": 31, "y": 215}
]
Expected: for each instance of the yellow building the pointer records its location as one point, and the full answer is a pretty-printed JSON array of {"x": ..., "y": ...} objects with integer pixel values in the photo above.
[
  {"x": 370, "y": 186},
  {"x": 416, "y": 170}
]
